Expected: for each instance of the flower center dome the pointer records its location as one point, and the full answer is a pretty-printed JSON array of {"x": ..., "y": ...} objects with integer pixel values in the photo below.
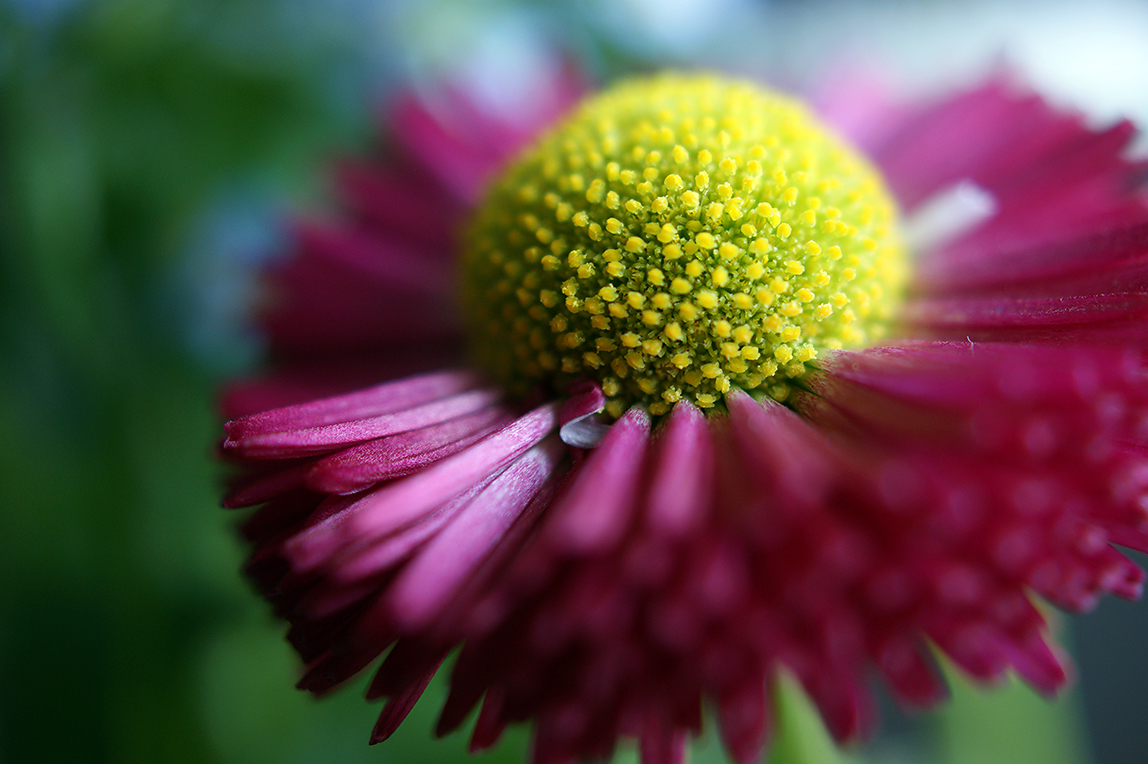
[{"x": 676, "y": 237}]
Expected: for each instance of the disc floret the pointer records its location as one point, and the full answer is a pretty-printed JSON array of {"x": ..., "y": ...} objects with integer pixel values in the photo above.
[{"x": 675, "y": 238}]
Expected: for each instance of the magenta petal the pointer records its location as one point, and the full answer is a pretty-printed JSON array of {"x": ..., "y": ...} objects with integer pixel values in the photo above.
[
  {"x": 844, "y": 705},
  {"x": 405, "y": 272},
  {"x": 448, "y": 477},
  {"x": 260, "y": 487},
  {"x": 742, "y": 719},
  {"x": 314, "y": 440},
  {"x": 664, "y": 746},
  {"x": 393, "y": 199},
  {"x": 398, "y": 503},
  {"x": 359, "y": 467},
  {"x": 465, "y": 144},
  {"x": 966, "y": 377},
  {"x": 595, "y": 509},
  {"x": 778, "y": 444},
  {"x": 1136, "y": 539},
  {"x": 426, "y": 584},
  {"x": 344, "y": 317},
  {"x": 318, "y": 377},
  {"x": 1102, "y": 257},
  {"x": 382, "y": 399},
  {"x": 681, "y": 473},
  {"x": 490, "y": 724},
  {"x": 279, "y": 515},
  {"x": 1038, "y": 664},
  {"x": 857, "y": 102},
  {"x": 462, "y": 163},
  {"x": 911, "y": 676},
  {"x": 1002, "y": 141},
  {"x": 1108, "y": 318},
  {"x": 398, "y": 707},
  {"x": 377, "y": 556},
  {"x": 408, "y": 661},
  {"x": 342, "y": 654},
  {"x": 975, "y": 648},
  {"x": 466, "y": 690}
]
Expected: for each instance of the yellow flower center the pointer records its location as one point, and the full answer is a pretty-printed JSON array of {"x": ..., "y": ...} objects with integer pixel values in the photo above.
[{"x": 677, "y": 237}]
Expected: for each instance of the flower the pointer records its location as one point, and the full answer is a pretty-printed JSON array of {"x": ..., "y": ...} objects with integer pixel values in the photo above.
[{"x": 625, "y": 525}]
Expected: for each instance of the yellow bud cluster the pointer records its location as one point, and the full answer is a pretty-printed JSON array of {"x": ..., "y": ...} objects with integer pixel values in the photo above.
[{"x": 675, "y": 238}]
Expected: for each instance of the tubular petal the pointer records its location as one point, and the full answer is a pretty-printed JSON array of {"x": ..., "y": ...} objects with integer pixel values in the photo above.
[
  {"x": 681, "y": 474},
  {"x": 595, "y": 509}
]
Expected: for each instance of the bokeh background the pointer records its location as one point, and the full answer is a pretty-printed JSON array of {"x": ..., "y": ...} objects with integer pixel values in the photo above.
[{"x": 151, "y": 152}]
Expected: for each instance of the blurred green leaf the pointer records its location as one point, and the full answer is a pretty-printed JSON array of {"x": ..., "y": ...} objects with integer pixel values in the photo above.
[
  {"x": 119, "y": 122},
  {"x": 801, "y": 737},
  {"x": 1009, "y": 724}
]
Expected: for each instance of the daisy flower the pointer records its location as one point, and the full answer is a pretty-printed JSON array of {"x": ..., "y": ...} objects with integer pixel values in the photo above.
[{"x": 639, "y": 410}]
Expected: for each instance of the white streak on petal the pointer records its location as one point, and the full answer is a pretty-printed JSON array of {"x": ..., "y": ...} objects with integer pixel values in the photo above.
[{"x": 947, "y": 215}]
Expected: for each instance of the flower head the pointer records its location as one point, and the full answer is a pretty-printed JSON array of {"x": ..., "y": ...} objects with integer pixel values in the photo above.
[
  {"x": 682, "y": 463},
  {"x": 677, "y": 238}
]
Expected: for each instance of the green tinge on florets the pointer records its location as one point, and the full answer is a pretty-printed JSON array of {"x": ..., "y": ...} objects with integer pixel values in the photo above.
[{"x": 677, "y": 237}]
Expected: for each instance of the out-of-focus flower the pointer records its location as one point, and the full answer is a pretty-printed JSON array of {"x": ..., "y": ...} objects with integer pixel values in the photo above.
[{"x": 690, "y": 471}]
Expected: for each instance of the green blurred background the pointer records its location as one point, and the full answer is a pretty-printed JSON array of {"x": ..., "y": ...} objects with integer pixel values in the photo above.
[{"x": 150, "y": 152}]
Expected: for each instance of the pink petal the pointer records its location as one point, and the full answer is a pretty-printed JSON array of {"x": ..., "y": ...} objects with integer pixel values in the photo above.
[
  {"x": 349, "y": 292},
  {"x": 427, "y": 583},
  {"x": 743, "y": 717},
  {"x": 1112, "y": 318},
  {"x": 375, "y": 259},
  {"x": 910, "y": 675},
  {"x": 388, "y": 508},
  {"x": 408, "y": 661},
  {"x": 776, "y": 443},
  {"x": 1095, "y": 260},
  {"x": 358, "y": 467},
  {"x": 382, "y": 399},
  {"x": 681, "y": 473},
  {"x": 595, "y": 510},
  {"x": 456, "y": 152},
  {"x": 464, "y": 144},
  {"x": 398, "y": 707},
  {"x": 490, "y": 724},
  {"x": 1039, "y": 665},
  {"x": 314, "y": 440},
  {"x": 991, "y": 136},
  {"x": 257, "y": 488},
  {"x": 399, "y": 201},
  {"x": 375, "y": 557},
  {"x": 664, "y": 746}
]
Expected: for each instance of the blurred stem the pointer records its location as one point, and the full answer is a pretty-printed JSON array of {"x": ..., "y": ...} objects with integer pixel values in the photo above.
[{"x": 800, "y": 737}]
